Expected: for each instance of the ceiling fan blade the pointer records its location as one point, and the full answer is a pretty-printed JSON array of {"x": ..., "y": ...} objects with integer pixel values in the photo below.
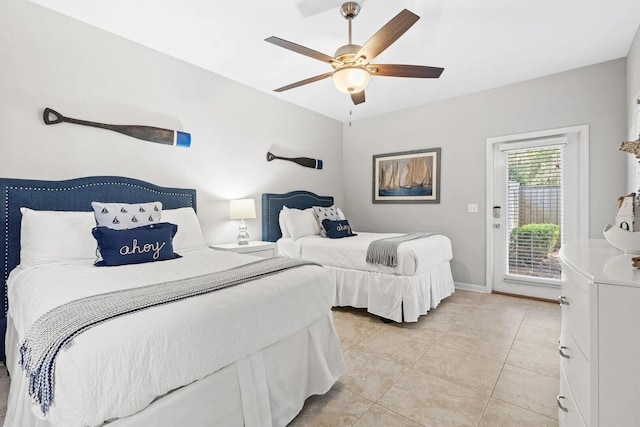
[
  {"x": 301, "y": 49},
  {"x": 357, "y": 98},
  {"x": 396, "y": 70},
  {"x": 386, "y": 35},
  {"x": 304, "y": 82}
]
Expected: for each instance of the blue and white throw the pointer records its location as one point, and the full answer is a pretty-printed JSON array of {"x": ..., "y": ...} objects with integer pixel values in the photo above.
[
  {"x": 55, "y": 329},
  {"x": 385, "y": 251}
]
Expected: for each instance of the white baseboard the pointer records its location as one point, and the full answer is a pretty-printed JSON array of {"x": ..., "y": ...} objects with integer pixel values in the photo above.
[{"x": 471, "y": 287}]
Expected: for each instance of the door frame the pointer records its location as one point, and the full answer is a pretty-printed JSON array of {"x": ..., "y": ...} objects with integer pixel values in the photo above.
[{"x": 578, "y": 133}]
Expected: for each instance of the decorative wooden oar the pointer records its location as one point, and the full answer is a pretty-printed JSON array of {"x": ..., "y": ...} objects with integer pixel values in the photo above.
[
  {"x": 145, "y": 133},
  {"x": 302, "y": 161}
]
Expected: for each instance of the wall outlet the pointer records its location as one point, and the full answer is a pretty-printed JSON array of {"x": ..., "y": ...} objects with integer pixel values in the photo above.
[{"x": 472, "y": 207}]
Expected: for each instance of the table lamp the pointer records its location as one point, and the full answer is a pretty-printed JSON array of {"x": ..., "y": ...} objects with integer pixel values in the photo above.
[{"x": 242, "y": 209}]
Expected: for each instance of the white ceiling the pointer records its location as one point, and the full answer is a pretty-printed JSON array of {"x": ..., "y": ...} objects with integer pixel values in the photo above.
[{"x": 481, "y": 44}]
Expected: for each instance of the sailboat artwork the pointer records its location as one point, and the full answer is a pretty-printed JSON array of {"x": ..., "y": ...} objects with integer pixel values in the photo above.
[{"x": 409, "y": 177}]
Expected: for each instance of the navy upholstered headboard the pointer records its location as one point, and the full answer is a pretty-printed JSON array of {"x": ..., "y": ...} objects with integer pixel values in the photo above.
[
  {"x": 69, "y": 195},
  {"x": 272, "y": 205}
]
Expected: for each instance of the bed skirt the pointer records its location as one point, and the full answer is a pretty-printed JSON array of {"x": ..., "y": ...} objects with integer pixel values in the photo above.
[
  {"x": 394, "y": 297},
  {"x": 266, "y": 388}
]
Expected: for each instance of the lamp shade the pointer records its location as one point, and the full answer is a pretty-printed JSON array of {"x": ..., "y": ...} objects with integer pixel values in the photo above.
[
  {"x": 351, "y": 79},
  {"x": 242, "y": 209}
]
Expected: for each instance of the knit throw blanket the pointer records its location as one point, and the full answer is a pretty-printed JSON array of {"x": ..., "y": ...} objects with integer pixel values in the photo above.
[
  {"x": 55, "y": 329},
  {"x": 385, "y": 251}
]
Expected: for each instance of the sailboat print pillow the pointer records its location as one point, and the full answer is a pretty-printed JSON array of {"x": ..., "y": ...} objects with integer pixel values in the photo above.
[
  {"x": 322, "y": 213},
  {"x": 123, "y": 216}
]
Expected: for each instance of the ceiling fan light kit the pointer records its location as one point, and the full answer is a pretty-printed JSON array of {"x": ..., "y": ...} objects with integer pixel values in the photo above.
[
  {"x": 351, "y": 79},
  {"x": 352, "y": 68}
]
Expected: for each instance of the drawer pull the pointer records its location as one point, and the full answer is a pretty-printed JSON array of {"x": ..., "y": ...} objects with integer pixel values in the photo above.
[
  {"x": 562, "y": 408},
  {"x": 563, "y": 300},
  {"x": 562, "y": 353}
]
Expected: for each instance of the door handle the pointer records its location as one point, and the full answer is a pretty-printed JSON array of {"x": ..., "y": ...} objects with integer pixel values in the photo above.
[{"x": 496, "y": 225}]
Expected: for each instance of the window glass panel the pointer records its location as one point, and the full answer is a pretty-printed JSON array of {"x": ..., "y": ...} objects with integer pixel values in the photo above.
[{"x": 534, "y": 209}]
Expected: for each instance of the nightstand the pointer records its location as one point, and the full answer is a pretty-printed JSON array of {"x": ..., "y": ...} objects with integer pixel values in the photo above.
[{"x": 256, "y": 248}]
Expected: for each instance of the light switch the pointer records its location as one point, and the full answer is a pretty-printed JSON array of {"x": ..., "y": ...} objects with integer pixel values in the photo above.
[{"x": 472, "y": 207}]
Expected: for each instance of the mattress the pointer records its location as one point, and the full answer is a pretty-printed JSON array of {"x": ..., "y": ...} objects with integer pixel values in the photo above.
[
  {"x": 184, "y": 341},
  {"x": 414, "y": 257}
]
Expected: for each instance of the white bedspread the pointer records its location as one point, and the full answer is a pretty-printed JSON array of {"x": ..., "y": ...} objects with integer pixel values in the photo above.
[
  {"x": 119, "y": 367},
  {"x": 414, "y": 257}
]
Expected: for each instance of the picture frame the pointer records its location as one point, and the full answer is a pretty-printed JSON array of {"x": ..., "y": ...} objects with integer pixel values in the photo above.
[{"x": 407, "y": 177}]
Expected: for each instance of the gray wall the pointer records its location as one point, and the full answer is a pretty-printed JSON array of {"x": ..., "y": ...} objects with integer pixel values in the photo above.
[
  {"x": 50, "y": 60},
  {"x": 633, "y": 84},
  {"x": 633, "y": 94},
  {"x": 594, "y": 95}
]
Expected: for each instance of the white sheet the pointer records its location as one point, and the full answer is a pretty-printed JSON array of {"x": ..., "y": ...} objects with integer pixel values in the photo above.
[
  {"x": 255, "y": 391},
  {"x": 127, "y": 353},
  {"x": 396, "y": 297},
  {"x": 414, "y": 257}
]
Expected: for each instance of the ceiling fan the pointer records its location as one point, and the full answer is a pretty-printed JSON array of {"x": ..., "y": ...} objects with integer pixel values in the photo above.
[{"x": 352, "y": 67}]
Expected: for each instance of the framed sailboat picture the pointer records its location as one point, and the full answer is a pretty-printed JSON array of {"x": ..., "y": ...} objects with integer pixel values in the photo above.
[{"x": 407, "y": 177}]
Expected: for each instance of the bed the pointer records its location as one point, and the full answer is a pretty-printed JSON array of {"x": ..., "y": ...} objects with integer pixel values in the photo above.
[
  {"x": 246, "y": 355},
  {"x": 417, "y": 284}
]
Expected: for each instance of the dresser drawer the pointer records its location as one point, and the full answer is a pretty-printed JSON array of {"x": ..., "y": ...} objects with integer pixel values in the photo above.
[
  {"x": 575, "y": 368},
  {"x": 568, "y": 413},
  {"x": 575, "y": 310}
]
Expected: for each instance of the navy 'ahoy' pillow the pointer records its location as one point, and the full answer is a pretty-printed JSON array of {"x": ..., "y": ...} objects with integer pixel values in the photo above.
[
  {"x": 135, "y": 245},
  {"x": 337, "y": 229}
]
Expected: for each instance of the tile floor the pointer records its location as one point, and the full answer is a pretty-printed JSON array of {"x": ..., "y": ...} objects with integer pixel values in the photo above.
[{"x": 477, "y": 360}]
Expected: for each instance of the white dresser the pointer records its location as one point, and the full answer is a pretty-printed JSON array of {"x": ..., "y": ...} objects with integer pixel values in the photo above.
[{"x": 600, "y": 336}]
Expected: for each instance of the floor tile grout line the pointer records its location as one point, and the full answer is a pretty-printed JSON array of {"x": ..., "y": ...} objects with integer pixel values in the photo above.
[
  {"x": 507, "y": 357},
  {"x": 398, "y": 414},
  {"x": 534, "y": 371},
  {"x": 493, "y": 389},
  {"x": 522, "y": 407},
  {"x": 365, "y": 412},
  {"x": 441, "y": 379},
  {"x": 502, "y": 369},
  {"x": 484, "y": 410},
  {"x": 377, "y": 402}
]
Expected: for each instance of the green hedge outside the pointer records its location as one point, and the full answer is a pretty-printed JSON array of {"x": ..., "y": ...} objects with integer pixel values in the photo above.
[{"x": 538, "y": 239}]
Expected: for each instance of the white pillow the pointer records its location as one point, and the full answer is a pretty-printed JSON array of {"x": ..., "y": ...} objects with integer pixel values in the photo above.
[
  {"x": 54, "y": 236},
  {"x": 189, "y": 235},
  {"x": 123, "y": 216},
  {"x": 283, "y": 224},
  {"x": 301, "y": 223}
]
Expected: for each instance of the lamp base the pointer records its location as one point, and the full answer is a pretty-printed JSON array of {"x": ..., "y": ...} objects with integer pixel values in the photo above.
[{"x": 243, "y": 235}]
